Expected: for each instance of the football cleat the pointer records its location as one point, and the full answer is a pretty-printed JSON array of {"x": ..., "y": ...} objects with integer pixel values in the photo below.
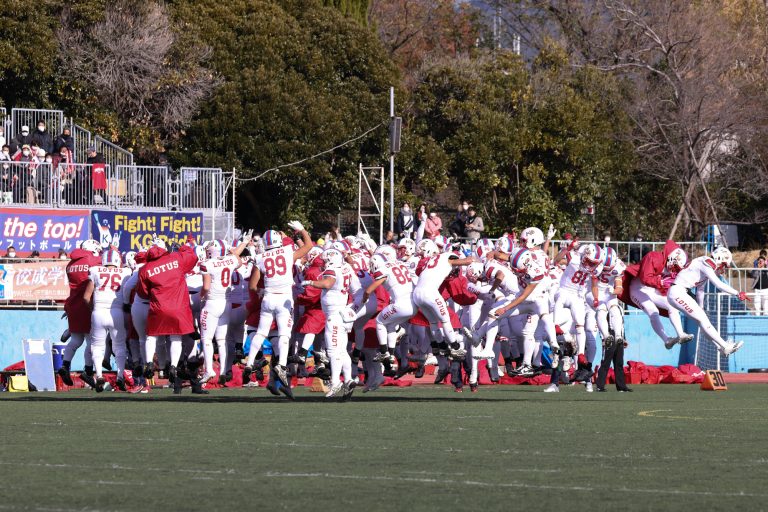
[
  {"x": 347, "y": 389},
  {"x": 207, "y": 377},
  {"x": 473, "y": 387},
  {"x": 733, "y": 347},
  {"x": 99, "y": 387},
  {"x": 321, "y": 358},
  {"x": 402, "y": 371},
  {"x": 555, "y": 360},
  {"x": 552, "y": 388},
  {"x": 224, "y": 378},
  {"x": 525, "y": 371},
  {"x": 335, "y": 391},
  {"x": 671, "y": 342},
  {"x": 247, "y": 371},
  {"x": 66, "y": 378},
  {"x": 458, "y": 390},
  {"x": 149, "y": 370},
  {"x": 419, "y": 373},
  {"x": 272, "y": 388},
  {"x": 297, "y": 359},
  {"x": 281, "y": 374},
  {"x": 287, "y": 391},
  {"x": 88, "y": 379},
  {"x": 120, "y": 383},
  {"x": 589, "y": 387},
  {"x": 380, "y": 357},
  {"x": 685, "y": 338}
]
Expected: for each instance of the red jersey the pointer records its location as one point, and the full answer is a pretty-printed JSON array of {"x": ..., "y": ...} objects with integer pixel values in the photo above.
[
  {"x": 163, "y": 280},
  {"x": 78, "y": 311}
]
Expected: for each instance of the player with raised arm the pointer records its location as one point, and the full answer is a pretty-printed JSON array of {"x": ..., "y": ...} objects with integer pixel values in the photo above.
[
  {"x": 335, "y": 283},
  {"x": 606, "y": 303},
  {"x": 433, "y": 269},
  {"x": 696, "y": 275},
  {"x": 396, "y": 279},
  {"x": 217, "y": 271},
  {"x": 276, "y": 265},
  {"x": 104, "y": 291}
]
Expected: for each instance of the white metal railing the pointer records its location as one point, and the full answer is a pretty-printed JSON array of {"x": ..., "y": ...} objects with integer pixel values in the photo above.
[
  {"x": 113, "y": 154},
  {"x": 54, "y": 120},
  {"x": 82, "y": 139},
  {"x": 26, "y": 183},
  {"x": 202, "y": 188}
]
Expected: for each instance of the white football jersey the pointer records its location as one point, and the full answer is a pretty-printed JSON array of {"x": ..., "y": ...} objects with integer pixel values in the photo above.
[
  {"x": 398, "y": 282},
  {"x": 360, "y": 268},
  {"x": 220, "y": 270},
  {"x": 276, "y": 266},
  {"x": 578, "y": 277},
  {"x": 337, "y": 296},
  {"x": 240, "y": 279},
  {"x": 435, "y": 270},
  {"x": 535, "y": 273},
  {"x": 698, "y": 272},
  {"x": 412, "y": 264},
  {"x": 194, "y": 280},
  {"x": 607, "y": 278},
  {"x": 108, "y": 285},
  {"x": 510, "y": 285}
]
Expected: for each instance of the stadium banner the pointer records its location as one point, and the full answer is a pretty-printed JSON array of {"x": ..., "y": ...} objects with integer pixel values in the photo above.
[
  {"x": 129, "y": 231},
  {"x": 42, "y": 230},
  {"x": 44, "y": 280}
]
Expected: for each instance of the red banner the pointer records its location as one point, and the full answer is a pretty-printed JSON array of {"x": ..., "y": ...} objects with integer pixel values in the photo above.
[{"x": 44, "y": 280}]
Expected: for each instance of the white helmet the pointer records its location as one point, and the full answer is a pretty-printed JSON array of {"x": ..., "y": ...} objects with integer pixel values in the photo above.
[
  {"x": 258, "y": 245},
  {"x": 520, "y": 259},
  {"x": 272, "y": 239},
  {"x": 504, "y": 244},
  {"x": 342, "y": 246},
  {"x": 474, "y": 271},
  {"x": 677, "y": 260},
  {"x": 532, "y": 237},
  {"x": 722, "y": 258},
  {"x": 91, "y": 245},
  {"x": 313, "y": 253},
  {"x": 353, "y": 242},
  {"x": 427, "y": 248},
  {"x": 610, "y": 258},
  {"x": 215, "y": 249},
  {"x": 159, "y": 242},
  {"x": 332, "y": 258},
  {"x": 111, "y": 258},
  {"x": 387, "y": 251},
  {"x": 406, "y": 248},
  {"x": 130, "y": 260},
  {"x": 591, "y": 255},
  {"x": 378, "y": 261},
  {"x": 484, "y": 246}
]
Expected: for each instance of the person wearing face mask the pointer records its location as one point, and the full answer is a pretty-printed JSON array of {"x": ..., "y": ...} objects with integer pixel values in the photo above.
[
  {"x": 64, "y": 172},
  {"x": 64, "y": 140},
  {"x": 474, "y": 227},
  {"x": 5, "y": 154},
  {"x": 42, "y": 138},
  {"x": 22, "y": 138},
  {"x": 405, "y": 221},
  {"x": 62, "y": 255},
  {"x": 10, "y": 253},
  {"x": 434, "y": 225},
  {"x": 27, "y": 173}
]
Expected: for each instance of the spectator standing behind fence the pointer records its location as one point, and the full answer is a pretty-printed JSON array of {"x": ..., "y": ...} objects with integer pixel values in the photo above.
[
  {"x": 64, "y": 140},
  {"x": 760, "y": 275},
  {"x": 405, "y": 222},
  {"x": 28, "y": 163},
  {"x": 2, "y": 136},
  {"x": 434, "y": 225},
  {"x": 65, "y": 174},
  {"x": 474, "y": 227},
  {"x": 458, "y": 226},
  {"x": 5, "y": 154},
  {"x": 21, "y": 139},
  {"x": 6, "y": 183},
  {"x": 87, "y": 180},
  {"x": 42, "y": 137}
]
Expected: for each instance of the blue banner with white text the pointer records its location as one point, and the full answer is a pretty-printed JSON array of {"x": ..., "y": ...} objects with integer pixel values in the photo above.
[{"x": 130, "y": 231}]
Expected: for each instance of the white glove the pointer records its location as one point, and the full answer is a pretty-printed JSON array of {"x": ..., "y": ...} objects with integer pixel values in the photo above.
[
  {"x": 306, "y": 283},
  {"x": 296, "y": 225},
  {"x": 551, "y": 232}
]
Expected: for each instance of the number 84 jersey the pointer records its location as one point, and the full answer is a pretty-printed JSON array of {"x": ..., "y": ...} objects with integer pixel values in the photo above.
[
  {"x": 220, "y": 270},
  {"x": 577, "y": 277}
]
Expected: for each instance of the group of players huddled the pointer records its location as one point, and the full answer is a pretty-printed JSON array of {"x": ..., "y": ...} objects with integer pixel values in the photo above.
[{"x": 427, "y": 301}]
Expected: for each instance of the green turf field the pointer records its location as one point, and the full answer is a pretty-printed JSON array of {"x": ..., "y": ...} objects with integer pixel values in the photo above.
[{"x": 425, "y": 448}]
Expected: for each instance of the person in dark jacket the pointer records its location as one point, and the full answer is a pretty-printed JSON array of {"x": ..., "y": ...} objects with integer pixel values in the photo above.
[
  {"x": 23, "y": 138},
  {"x": 43, "y": 138},
  {"x": 64, "y": 140},
  {"x": 406, "y": 222}
]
